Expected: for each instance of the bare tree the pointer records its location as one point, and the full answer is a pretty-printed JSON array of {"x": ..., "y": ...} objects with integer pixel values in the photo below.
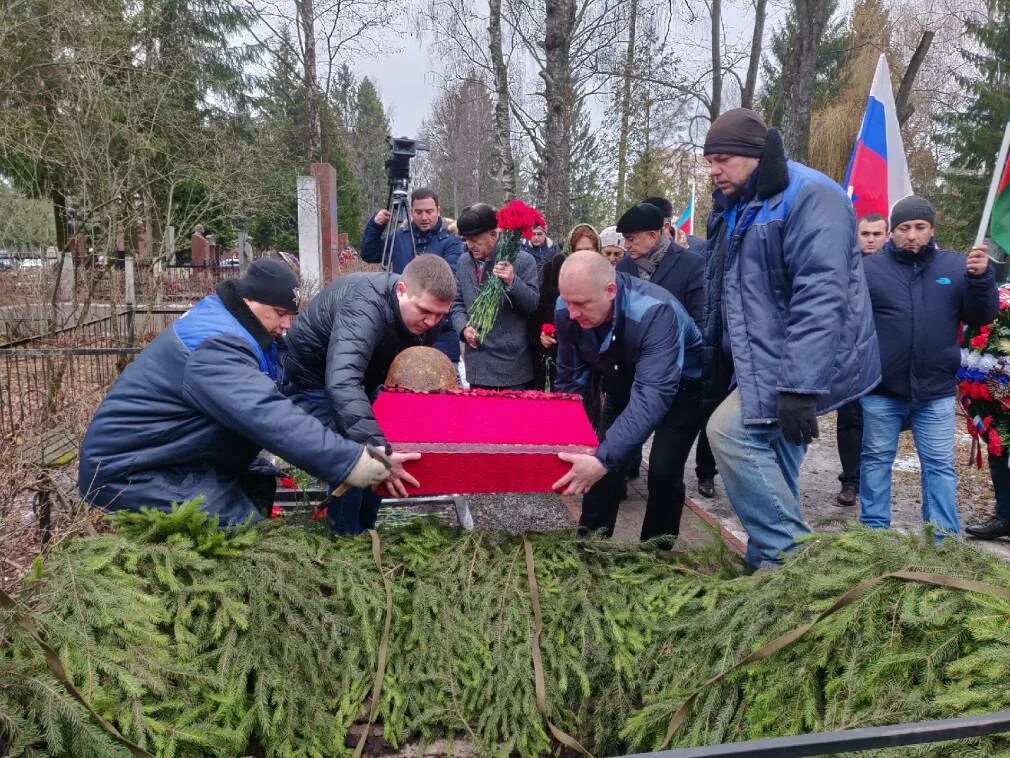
[
  {"x": 811, "y": 18},
  {"x": 310, "y": 81},
  {"x": 329, "y": 31},
  {"x": 902, "y": 101},
  {"x": 627, "y": 75},
  {"x": 715, "y": 102},
  {"x": 558, "y": 95},
  {"x": 503, "y": 128},
  {"x": 757, "y": 43}
]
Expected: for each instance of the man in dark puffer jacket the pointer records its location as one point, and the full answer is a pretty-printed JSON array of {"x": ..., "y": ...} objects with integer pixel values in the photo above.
[
  {"x": 340, "y": 349},
  {"x": 920, "y": 296},
  {"x": 189, "y": 416}
]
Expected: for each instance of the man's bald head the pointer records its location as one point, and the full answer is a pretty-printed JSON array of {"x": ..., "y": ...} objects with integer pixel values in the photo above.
[
  {"x": 588, "y": 286},
  {"x": 588, "y": 265}
]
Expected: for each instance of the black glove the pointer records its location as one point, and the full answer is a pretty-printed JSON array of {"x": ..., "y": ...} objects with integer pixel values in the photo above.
[{"x": 798, "y": 417}]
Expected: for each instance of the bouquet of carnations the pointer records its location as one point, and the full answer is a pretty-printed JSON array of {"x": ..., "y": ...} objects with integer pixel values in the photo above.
[
  {"x": 515, "y": 220},
  {"x": 983, "y": 381}
]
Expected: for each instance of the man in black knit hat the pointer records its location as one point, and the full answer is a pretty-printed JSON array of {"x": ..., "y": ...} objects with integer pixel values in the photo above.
[
  {"x": 190, "y": 415},
  {"x": 788, "y": 323},
  {"x": 920, "y": 296}
]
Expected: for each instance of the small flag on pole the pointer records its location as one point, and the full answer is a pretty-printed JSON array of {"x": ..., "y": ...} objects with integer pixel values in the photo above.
[
  {"x": 686, "y": 221},
  {"x": 999, "y": 221},
  {"x": 996, "y": 211},
  {"x": 877, "y": 176}
]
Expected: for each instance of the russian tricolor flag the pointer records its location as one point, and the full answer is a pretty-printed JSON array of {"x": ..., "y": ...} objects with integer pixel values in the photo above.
[
  {"x": 877, "y": 177},
  {"x": 686, "y": 221}
]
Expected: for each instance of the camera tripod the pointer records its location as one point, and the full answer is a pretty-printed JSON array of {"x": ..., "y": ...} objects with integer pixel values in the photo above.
[{"x": 399, "y": 213}]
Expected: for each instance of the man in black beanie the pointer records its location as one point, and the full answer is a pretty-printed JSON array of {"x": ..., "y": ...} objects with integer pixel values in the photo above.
[
  {"x": 189, "y": 417},
  {"x": 921, "y": 294},
  {"x": 788, "y": 323}
]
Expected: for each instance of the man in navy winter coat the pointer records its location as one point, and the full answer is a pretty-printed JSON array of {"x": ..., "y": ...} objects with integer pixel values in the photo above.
[
  {"x": 654, "y": 257},
  {"x": 920, "y": 295},
  {"x": 426, "y": 233},
  {"x": 635, "y": 343},
  {"x": 788, "y": 322},
  {"x": 190, "y": 415},
  {"x": 704, "y": 464}
]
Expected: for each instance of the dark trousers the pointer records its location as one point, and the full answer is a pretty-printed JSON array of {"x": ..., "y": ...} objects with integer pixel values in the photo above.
[
  {"x": 849, "y": 433},
  {"x": 671, "y": 447},
  {"x": 704, "y": 461},
  {"x": 353, "y": 512},
  {"x": 1000, "y": 474},
  {"x": 502, "y": 388}
]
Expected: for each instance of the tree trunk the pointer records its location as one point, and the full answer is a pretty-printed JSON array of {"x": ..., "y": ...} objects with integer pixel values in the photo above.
[
  {"x": 60, "y": 219},
  {"x": 622, "y": 139},
  {"x": 747, "y": 96},
  {"x": 811, "y": 20},
  {"x": 502, "y": 106},
  {"x": 715, "y": 104},
  {"x": 313, "y": 130},
  {"x": 557, "y": 75},
  {"x": 905, "y": 110}
]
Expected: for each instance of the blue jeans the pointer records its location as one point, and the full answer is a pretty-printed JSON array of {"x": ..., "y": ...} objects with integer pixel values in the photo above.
[
  {"x": 357, "y": 509},
  {"x": 760, "y": 471},
  {"x": 932, "y": 424}
]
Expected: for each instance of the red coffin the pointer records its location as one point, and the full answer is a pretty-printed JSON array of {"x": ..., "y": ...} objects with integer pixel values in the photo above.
[{"x": 475, "y": 441}]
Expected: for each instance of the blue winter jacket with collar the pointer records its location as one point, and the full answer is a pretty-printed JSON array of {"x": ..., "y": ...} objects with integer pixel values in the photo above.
[
  {"x": 785, "y": 275},
  {"x": 648, "y": 351},
  {"x": 192, "y": 412},
  {"x": 919, "y": 301}
]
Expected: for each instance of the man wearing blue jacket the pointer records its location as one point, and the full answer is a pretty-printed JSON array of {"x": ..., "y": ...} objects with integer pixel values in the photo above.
[
  {"x": 633, "y": 342},
  {"x": 920, "y": 295},
  {"x": 788, "y": 323},
  {"x": 424, "y": 234},
  {"x": 190, "y": 415}
]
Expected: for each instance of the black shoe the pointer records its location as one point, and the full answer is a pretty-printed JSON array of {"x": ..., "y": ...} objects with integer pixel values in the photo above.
[
  {"x": 622, "y": 494},
  {"x": 991, "y": 530},
  {"x": 847, "y": 496},
  {"x": 706, "y": 487}
]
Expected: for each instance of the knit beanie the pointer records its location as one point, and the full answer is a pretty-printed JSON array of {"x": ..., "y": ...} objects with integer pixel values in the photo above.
[
  {"x": 610, "y": 237},
  {"x": 740, "y": 131},
  {"x": 477, "y": 219},
  {"x": 271, "y": 282},
  {"x": 912, "y": 208}
]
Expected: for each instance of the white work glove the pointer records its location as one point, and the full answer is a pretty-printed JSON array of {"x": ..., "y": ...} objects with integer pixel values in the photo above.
[{"x": 370, "y": 470}]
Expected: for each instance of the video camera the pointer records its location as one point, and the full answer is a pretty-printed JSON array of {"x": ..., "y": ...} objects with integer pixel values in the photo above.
[{"x": 401, "y": 150}]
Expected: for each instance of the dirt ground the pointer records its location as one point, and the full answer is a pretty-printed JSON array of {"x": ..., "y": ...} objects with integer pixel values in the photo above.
[{"x": 819, "y": 485}]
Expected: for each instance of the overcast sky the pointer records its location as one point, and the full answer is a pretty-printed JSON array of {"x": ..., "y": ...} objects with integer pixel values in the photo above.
[{"x": 406, "y": 81}]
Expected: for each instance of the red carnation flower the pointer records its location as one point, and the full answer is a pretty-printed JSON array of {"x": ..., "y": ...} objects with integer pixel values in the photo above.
[
  {"x": 978, "y": 343},
  {"x": 548, "y": 329},
  {"x": 995, "y": 443},
  {"x": 518, "y": 217}
]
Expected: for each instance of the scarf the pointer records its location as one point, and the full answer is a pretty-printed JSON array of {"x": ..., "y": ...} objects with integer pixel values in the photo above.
[{"x": 648, "y": 263}]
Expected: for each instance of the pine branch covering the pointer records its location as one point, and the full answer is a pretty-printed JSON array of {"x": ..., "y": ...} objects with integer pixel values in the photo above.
[{"x": 264, "y": 640}]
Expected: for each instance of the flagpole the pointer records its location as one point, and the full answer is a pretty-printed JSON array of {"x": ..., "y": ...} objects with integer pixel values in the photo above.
[
  {"x": 690, "y": 223},
  {"x": 993, "y": 186}
]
